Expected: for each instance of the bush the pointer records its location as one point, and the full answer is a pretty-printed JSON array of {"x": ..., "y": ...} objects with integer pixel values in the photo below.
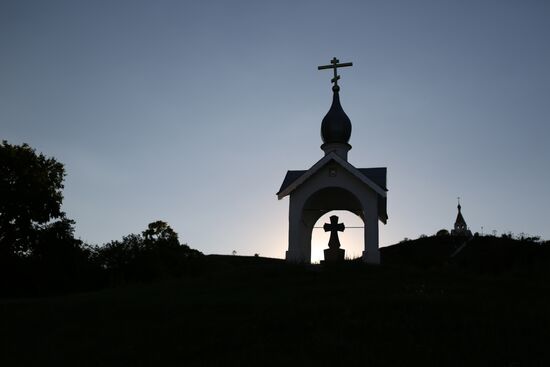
[{"x": 156, "y": 253}]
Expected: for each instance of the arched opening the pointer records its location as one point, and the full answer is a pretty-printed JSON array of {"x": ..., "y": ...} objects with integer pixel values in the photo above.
[
  {"x": 352, "y": 238},
  {"x": 317, "y": 210}
]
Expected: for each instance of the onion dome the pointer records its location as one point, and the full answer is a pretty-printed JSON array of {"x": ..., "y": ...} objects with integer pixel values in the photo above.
[{"x": 336, "y": 125}]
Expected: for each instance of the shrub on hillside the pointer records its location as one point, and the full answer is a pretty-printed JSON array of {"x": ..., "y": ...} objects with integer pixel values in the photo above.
[{"x": 156, "y": 253}]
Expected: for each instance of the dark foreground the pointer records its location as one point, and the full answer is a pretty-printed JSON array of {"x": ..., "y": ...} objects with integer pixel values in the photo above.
[{"x": 254, "y": 311}]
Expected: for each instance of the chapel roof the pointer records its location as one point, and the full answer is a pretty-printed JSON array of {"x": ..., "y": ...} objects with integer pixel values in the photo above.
[
  {"x": 459, "y": 218},
  {"x": 376, "y": 174},
  {"x": 297, "y": 178}
]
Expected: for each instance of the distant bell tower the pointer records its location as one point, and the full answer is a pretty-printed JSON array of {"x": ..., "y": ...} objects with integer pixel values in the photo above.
[{"x": 461, "y": 228}]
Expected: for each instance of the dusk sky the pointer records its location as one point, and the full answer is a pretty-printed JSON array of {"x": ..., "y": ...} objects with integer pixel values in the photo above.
[{"x": 192, "y": 112}]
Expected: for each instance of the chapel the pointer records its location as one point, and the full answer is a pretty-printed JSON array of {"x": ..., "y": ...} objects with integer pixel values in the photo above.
[
  {"x": 460, "y": 227},
  {"x": 333, "y": 183}
]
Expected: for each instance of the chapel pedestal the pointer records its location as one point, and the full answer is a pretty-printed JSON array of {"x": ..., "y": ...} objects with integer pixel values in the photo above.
[{"x": 334, "y": 255}]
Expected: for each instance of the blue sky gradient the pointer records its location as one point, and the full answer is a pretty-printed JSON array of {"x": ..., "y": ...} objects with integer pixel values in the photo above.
[{"x": 191, "y": 112}]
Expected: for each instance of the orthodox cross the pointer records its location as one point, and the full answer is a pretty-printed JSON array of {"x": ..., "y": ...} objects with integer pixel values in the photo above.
[
  {"x": 334, "y": 64},
  {"x": 334, "y": 227}
]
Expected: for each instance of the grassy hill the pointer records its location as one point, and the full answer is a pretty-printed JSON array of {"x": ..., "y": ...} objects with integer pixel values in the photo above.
[{"x": 421, "y": 307}]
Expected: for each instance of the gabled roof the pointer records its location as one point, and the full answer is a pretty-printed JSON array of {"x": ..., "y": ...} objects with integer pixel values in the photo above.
[
  {"x": 375, "y": 178},
  {"x": 290, "y": 177},
  {"x": 377, "y": 174},
  {"x": 460, "y": 219}
]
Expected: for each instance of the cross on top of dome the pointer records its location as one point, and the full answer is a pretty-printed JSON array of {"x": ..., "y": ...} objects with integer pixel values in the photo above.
[
  {"x": 336, "y": 125},
  {"x": 334, "y": 64}
]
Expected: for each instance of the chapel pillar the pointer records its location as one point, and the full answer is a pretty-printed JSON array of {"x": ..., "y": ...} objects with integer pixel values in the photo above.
[
  {"x": 371, "y": 254},
  {"x": 299, "y": 243}
]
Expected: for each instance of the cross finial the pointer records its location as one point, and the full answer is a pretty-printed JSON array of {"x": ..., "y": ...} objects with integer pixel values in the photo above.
[{"x": 334, "y": 64}]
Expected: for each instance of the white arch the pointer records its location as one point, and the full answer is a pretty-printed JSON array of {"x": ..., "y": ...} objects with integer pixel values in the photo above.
[{"x": 309, "y": 202}]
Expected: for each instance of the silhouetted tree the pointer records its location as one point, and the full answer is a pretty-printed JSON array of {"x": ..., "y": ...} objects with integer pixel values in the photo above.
[
  {"x": 155, "y": 253},
  {"x": 160, "y": 231},
  {"x": 119, "y": 258},
  {"x": 38, "y": 251},
  {"x": 30, "y": 196}
]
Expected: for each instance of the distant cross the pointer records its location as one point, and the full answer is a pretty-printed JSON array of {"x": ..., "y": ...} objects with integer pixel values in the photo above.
[
  {"x": 335, "y": 65},
  {"x": 458, "y": 198},
  {"x": 334, "y": 227}
]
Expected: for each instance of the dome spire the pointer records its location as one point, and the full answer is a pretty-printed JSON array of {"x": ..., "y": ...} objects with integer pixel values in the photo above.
[{"x": 336, "y": 125}]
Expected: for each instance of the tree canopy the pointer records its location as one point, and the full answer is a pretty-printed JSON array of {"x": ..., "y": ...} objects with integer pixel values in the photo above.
[
  {"x": 38, "y": 251},
  {"x": 154, "y": 253},
  {"x": 30, "y": 195}
]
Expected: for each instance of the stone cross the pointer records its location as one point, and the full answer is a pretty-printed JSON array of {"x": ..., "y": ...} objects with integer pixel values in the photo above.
[
  {"x": 334, "y": 227},
  {"x": 335, "y": 65}
]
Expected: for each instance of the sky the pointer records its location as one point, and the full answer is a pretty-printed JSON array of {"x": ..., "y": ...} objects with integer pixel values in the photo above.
[{"x": 192, "y": 112}]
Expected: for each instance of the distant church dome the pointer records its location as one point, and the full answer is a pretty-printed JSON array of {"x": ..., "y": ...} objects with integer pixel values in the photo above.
[
  {"x": 336, "y": 125},
  {"x": 460, "y": 223},
  {"x": 461, "y": 228}
]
